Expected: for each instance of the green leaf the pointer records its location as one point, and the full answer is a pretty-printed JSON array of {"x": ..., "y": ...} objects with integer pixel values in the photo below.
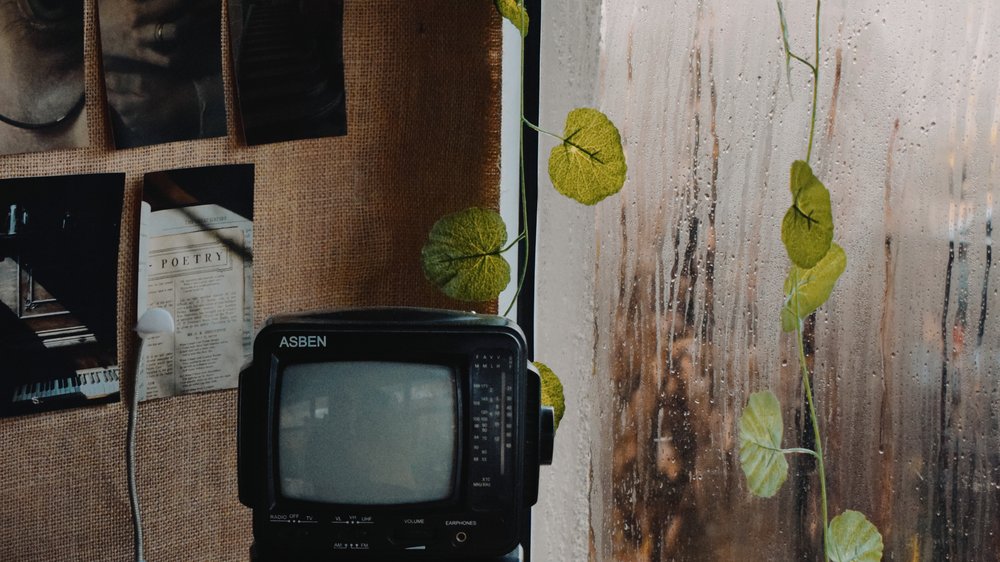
[
  {"x": 807, "y": 230},
  {"x": 589, "y": 164},
  {"x": 761, "y": 456},
  {"x": 515, "y": 12},
  {"x": 552, "y": 391},
  {"x": 853, "y": 538},
  {"x": 807, "y": 289},
  {"x": 462, "y": 255}
]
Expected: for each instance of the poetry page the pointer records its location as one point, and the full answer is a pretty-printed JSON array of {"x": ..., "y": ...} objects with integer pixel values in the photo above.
[{"x": 196, "y": 267}]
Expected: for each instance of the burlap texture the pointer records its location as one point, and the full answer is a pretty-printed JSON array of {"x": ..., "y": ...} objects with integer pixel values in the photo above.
[{"x": 338, "y": 222}]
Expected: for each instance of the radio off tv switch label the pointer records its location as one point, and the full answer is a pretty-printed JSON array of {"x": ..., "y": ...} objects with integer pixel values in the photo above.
[{"x": 492, "y": 397}]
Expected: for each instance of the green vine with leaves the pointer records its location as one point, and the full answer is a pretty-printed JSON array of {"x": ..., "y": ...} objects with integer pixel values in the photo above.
[
  {"x": 817, "y": 263},
  {"x": 463, "y": 255}
]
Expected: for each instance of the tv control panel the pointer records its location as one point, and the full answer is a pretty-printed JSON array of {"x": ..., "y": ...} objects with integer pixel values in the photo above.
[
  {"x": 491, "y": 438},
  {"x": 372, "y": 534}
]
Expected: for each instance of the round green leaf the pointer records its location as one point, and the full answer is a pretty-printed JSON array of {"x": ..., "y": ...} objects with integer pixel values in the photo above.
[
  {"x": 761, "y": 456},
  {"x": 807, "y": 289},
  {"x": 853, "y": 538},
  {"x": 807, "y": 230},
  {"x": 517, "y": 14},
  {"x": 552, "y": 391},
  {"x": 589, "y": 164},
  {"x": 462, "y": 255}
]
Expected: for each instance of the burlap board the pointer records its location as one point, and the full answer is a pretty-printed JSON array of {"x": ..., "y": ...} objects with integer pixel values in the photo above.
[{"x": 338, "y": 222}]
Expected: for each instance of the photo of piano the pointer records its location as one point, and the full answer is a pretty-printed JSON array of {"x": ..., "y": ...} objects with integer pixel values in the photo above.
[
  {"x": 59, "y": 239},
  {"x": 289, "y": 68}
]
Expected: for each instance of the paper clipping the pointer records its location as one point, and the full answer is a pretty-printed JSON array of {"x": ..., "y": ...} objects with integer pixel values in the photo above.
[{"x": 195, "y": 263}]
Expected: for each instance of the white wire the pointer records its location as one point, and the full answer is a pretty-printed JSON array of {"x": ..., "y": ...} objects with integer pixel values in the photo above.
[{"x": 133, "y": 417}]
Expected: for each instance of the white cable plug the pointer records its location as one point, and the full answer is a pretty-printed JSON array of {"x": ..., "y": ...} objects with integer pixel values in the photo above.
[{"x": 153, "y": 321}]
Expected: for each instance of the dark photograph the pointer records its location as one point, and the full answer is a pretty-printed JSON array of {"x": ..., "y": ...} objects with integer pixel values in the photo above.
[
  {"x": 58, "y": 292},
  {"x": 162, "y": 69},
  {"x": 42, "y": 102},
  {"x": 289, "y": 68}
]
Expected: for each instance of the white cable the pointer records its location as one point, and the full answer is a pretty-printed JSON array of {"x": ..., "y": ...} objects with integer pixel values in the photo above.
[
  {"x": 133, "y": 417},
  {"x": 153, "y": 321}
]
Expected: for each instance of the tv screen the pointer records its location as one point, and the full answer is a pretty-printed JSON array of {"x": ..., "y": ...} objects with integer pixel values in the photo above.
[{"x": 367, "y": 432}]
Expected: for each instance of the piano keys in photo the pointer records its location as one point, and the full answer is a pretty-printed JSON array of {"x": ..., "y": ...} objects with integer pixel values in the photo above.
[{"x": 88, "y": 386}]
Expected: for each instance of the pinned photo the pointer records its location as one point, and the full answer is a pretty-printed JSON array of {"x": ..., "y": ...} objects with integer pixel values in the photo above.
[
  {"x": 196, "y": 262},
  {"x": 289, "y": 68},
  {"x": 42, "y": 101},
  {"x": 163, "y": 70},
  {"x": 58, "y": 292}
]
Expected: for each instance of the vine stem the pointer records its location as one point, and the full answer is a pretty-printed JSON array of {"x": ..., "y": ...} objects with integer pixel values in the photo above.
[
  {"x": 803, "y": 364},
  {"x": 525, "y": 233},
  {"x": 806, "y": 384},
  {"x": 560, "y": 138},
  {"x": 538, "y": 129},
  {"x": 816, "y": 434},
  {"x": 521, "y": 236},
  {"x": 815, "y": 73}
]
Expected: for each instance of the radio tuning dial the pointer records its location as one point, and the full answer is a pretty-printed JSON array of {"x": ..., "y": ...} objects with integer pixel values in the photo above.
[{"x": 492, "y": 419}]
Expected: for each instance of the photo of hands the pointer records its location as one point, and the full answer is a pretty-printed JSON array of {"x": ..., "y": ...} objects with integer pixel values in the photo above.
[{"x": 162, "y": 69}]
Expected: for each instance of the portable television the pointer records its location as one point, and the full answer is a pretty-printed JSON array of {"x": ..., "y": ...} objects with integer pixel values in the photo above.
[{"x": 390, "y": 434}]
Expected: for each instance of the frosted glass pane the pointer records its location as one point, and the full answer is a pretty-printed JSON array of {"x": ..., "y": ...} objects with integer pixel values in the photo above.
[{"x": 688, "y": 269}]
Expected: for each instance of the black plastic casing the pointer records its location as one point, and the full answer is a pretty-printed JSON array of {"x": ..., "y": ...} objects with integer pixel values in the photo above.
[{"x": 484, "y": 513}]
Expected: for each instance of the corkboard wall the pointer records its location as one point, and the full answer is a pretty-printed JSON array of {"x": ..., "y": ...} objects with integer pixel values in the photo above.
[{"x": 338, "y": 222}]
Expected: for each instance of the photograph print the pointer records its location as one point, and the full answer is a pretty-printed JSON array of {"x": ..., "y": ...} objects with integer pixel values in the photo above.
[
  {"x": 162, "y": 69},
  {"x": 58, "y": 292},
  {"x": 42, "y": 102},
  {"x": 196, "y": 262},
  {"x": 289, "y": 68}
]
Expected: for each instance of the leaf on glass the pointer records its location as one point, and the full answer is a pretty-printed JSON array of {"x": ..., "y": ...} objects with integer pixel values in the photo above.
[
  {"x": 807, "y": 230},
  {"x": 552, "y": 391},
  {"x": 516, "y": 13},
  {"x": 462, "y": 255},
  {"x": 853, "y": 538},
  {"x": 761, "y": 456},
  {"x": 807, "y": 289},
  {"x": 589, "y": 164}
]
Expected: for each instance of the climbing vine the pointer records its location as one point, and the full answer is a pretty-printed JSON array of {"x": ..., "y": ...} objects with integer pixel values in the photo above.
[
  {"x": 463, "y": 256},
  {"x": 807, "y": 232}
]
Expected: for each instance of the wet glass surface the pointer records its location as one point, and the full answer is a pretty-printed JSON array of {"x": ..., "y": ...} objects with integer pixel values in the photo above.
[{"x": 689, "y": 271}]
